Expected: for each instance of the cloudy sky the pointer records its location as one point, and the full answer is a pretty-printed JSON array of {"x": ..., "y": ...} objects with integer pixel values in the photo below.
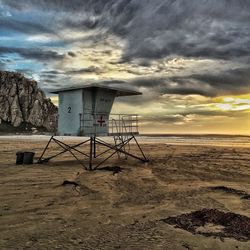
[{"x": 191, "y": 59}]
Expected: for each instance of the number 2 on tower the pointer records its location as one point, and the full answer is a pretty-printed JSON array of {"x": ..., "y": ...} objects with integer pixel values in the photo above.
[{"x": 69, "y": 110}]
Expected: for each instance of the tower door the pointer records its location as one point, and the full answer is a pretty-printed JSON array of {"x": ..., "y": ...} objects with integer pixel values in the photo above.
[{"x": 70, "y": 108}]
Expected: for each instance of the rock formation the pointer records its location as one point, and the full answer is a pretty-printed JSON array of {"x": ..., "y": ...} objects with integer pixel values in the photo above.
[{"x": 23, "y": 105}]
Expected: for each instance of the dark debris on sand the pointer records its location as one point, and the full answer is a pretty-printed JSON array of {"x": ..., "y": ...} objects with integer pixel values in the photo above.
[
  {"x": 246, "y": 197},
  {"x": 79, "y": 188},
  {"x": 243, "y": 195},
  {"x": 234, "y": 225},
  {"x": 228, "y": 190},
  {"x": 114, "y": 169},
  {"x": 66, "y": 182}
]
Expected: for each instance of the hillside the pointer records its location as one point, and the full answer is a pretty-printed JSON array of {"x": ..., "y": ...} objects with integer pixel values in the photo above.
[{"x": 23, "y": 106}]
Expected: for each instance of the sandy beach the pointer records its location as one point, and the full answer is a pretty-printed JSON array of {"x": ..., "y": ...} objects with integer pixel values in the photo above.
[{"x": 129, "y": 209}]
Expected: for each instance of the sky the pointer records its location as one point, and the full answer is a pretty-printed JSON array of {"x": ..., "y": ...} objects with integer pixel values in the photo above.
[{"x": 190, "y": 59}]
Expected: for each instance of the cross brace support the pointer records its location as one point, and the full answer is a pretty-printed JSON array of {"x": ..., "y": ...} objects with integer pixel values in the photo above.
[{"x": 93, "y": 155}]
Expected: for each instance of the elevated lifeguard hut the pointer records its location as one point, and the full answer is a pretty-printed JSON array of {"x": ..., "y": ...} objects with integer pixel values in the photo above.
[{"x": 85, "y": 111}]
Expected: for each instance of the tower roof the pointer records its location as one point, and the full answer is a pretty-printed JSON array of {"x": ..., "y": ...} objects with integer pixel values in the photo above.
[{"x": 119, "y": 91}]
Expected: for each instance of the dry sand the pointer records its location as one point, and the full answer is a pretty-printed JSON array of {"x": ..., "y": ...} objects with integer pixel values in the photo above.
[{"x": 124, "y": 210}]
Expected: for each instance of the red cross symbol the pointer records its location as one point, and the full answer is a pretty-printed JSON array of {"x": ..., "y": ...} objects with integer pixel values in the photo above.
[{"x": 101, "y": 121}]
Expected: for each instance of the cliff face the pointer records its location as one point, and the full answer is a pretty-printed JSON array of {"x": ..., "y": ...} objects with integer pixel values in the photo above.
[{"x": 23, "y": 105}]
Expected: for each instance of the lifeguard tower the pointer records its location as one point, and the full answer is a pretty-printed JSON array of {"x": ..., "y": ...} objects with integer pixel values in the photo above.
[{"x": 85, "y": 111}]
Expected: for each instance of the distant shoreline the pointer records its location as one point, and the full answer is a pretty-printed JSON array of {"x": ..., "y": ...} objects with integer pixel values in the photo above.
[
  {"x": 142, "y": 134},
  {"x": 194, "y": 135}
]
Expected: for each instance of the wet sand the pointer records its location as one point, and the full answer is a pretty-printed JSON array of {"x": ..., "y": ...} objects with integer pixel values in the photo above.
[{"x": 124, "y": 210}]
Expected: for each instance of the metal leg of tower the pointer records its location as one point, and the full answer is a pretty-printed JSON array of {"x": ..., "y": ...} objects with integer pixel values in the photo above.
[
  {"x": 90, "y": 153},
  {"x": 115, "y": 140},
  {"x": 145, "y": 158},
  {"x": 40, "y": 158},
  {"x": 94, "y": 148}
]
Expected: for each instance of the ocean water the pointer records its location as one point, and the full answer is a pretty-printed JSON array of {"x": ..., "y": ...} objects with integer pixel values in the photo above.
[{"x": 206, "y": 140}]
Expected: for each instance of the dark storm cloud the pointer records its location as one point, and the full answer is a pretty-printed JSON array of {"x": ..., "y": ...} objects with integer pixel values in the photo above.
[
  {"x": 72, "y": 54},
  {"x": 149, "y": 82},
  {"x": 114, "y": 83},
  {"x": 151, "y": 30},
  {"x": 234, "y": 81},
  {"x": 55, "y": 73},
  {"x": 23, "y": 26},
  {"x": 239, "y": 77},
  {"x": 91, "y": 69},
  {"x": 64, "y": 5},
  {"x": 182, "y": 90},
  {"x": 33, "y": 53},
  {"x": 191, "y": 29},
  {"x": 160, "y": 28},
  {"x": 169, "y": 85},
  {"x": 89, "y": 23}
]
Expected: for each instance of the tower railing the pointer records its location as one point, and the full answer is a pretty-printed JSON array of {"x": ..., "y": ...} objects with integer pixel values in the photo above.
[
  {"x": 112, "y": 125},
  {"x": 120, "y": 124}
]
